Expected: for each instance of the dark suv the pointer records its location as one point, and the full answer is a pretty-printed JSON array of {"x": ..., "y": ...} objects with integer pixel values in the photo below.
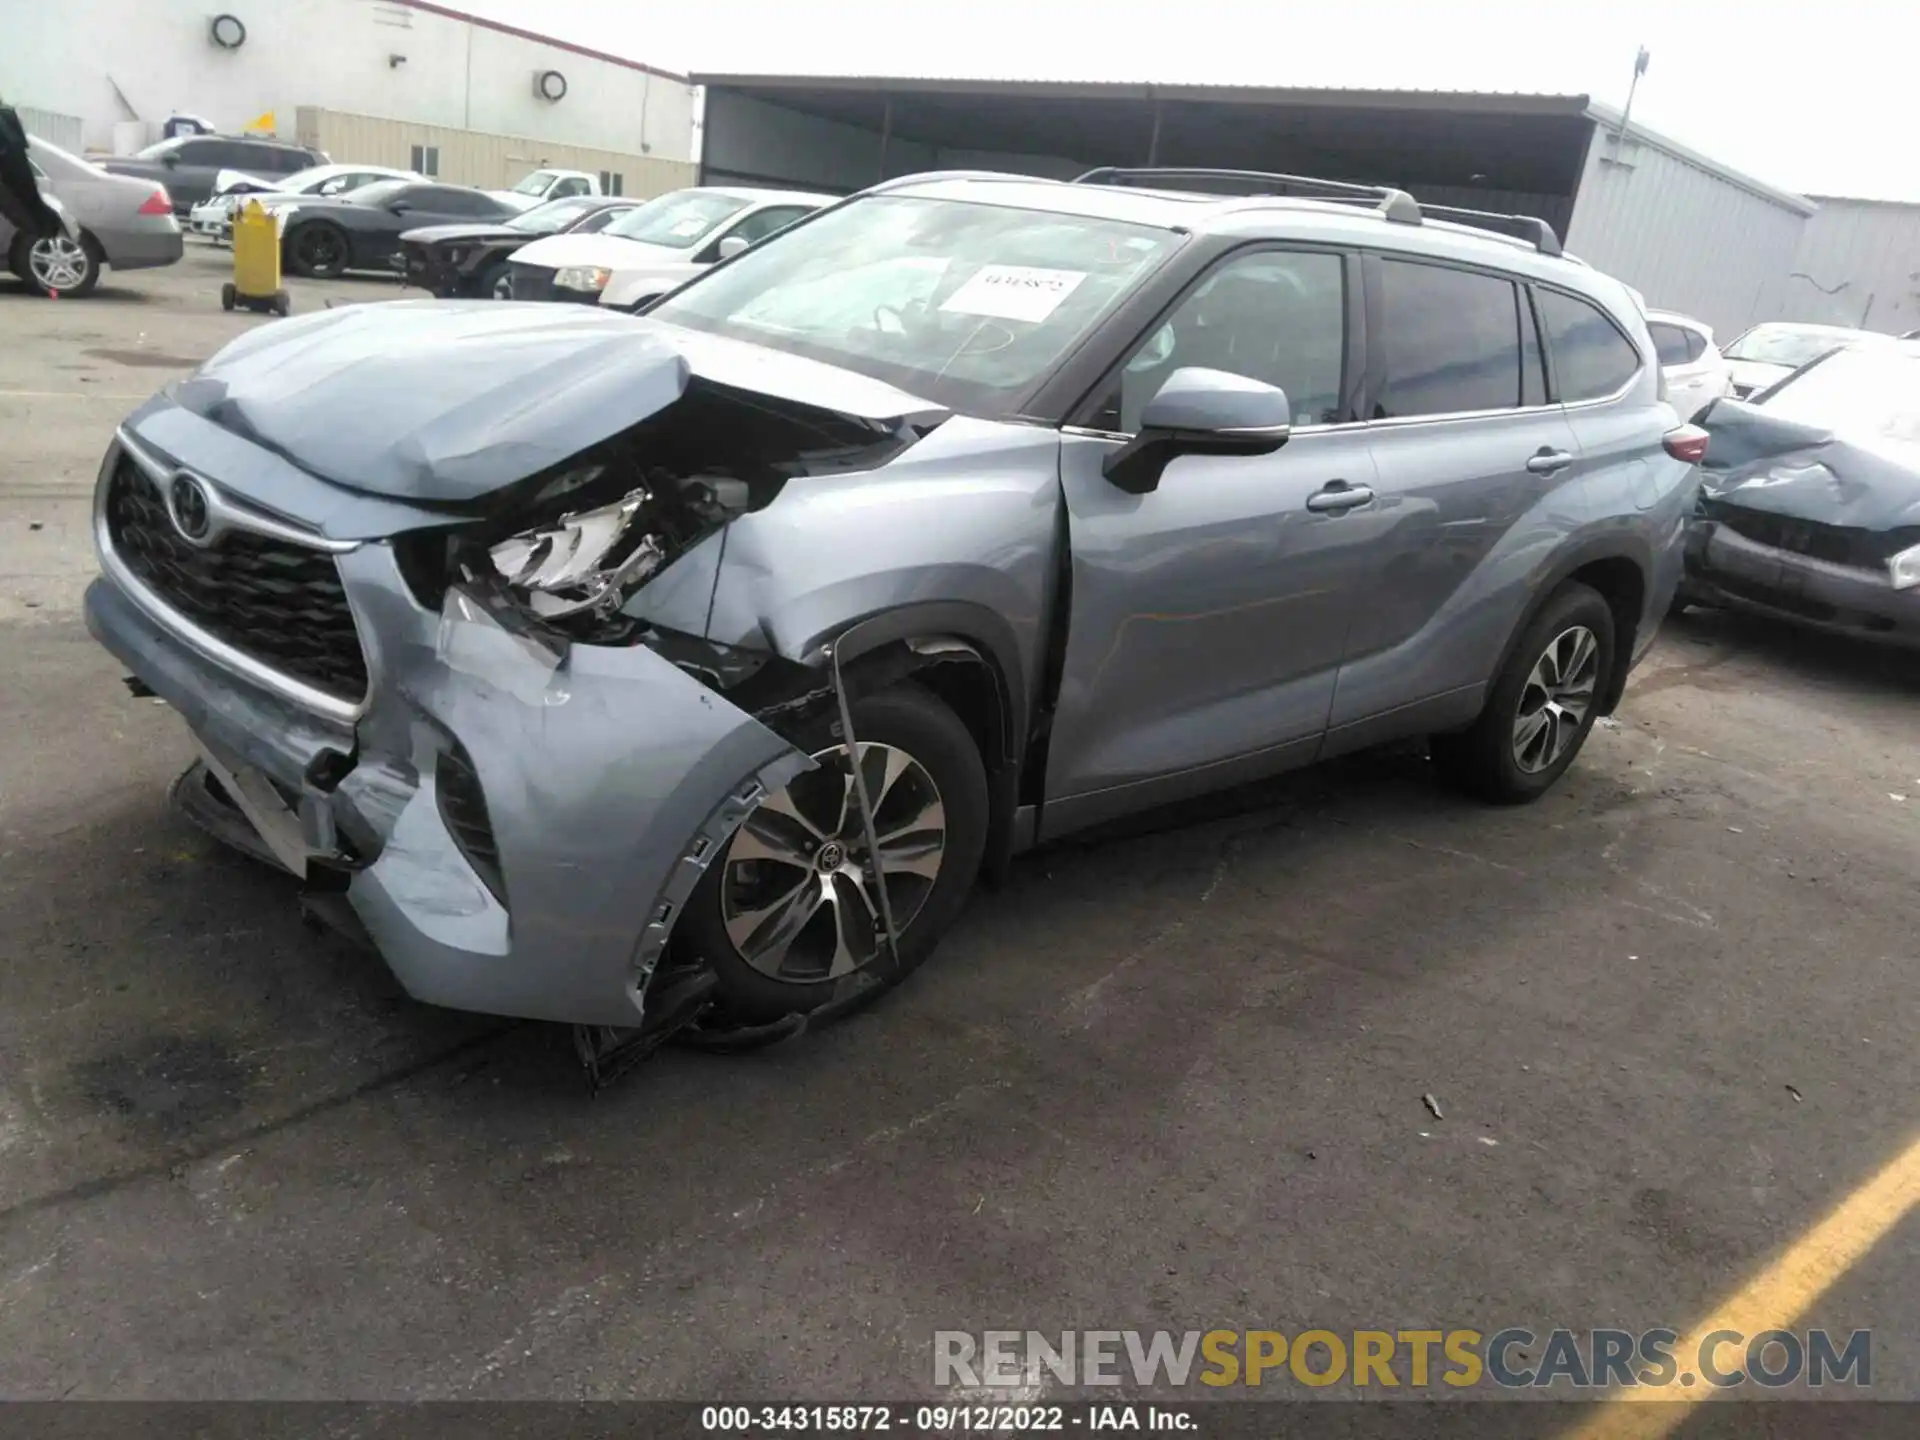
[{"x": 188, "y": 164}]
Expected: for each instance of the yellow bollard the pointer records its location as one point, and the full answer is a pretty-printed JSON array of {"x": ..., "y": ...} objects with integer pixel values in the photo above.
[{"x": 256, "y": 263}]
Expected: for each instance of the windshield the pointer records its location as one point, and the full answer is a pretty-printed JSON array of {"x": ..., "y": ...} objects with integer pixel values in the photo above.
[
  {"x": 554, "y": 216},
  {"x": 676, "y": 220},
  {"x": 535, "y": 184},
  {"x": 161, "y": 147},
  {"x": 1867, "y": 396},
  {"x": 966, "y": 304},
  {"x": 1789, "y": 345}
]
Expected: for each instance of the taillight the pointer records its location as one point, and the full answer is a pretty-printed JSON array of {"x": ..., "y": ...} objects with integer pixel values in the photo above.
[
  {"x": 158, "y": 203},
  {"x": 1688, "y": 443}
]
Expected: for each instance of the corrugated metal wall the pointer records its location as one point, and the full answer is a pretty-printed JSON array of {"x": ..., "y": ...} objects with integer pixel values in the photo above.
[
  {"x": 62, "y": 130},
  {"x": 1858, "y": 264},
  {"x": 471, "y": 157},
  {"x": 1688, "y": 238}
]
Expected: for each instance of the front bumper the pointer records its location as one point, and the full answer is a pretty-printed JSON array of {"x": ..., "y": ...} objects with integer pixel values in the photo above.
[
  {"x": 1729, "y": 569},
  {"x": 611, "y": 778}
]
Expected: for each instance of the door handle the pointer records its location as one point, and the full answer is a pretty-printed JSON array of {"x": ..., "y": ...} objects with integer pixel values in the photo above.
[
  {"x": 1548, "y": 461},
  {"x": 1337, "y": 497}
]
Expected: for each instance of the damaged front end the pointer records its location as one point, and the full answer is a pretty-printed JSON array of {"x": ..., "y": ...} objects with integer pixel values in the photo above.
[
  {"x": 1805, "y": 524},
  {"x": 534, "y": 753}
]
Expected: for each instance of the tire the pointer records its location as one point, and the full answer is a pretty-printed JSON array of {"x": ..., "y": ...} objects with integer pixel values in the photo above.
[
  {"x": 918, "y": 755},
  {"x": 319, "y": 250},
  {"x": 495, "y": 282},
  {"x": 229, "y": 297},
  {"x": 76, "y": 264},
  {"x": 1494, "y": 758}
]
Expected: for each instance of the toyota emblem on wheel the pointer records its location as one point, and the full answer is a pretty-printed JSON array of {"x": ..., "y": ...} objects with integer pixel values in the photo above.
[{"x": 188, "y": 506}]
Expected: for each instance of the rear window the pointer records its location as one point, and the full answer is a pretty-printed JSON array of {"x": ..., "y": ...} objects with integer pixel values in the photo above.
[
  {"x": 1452, "y": 341},
  {"x": 1591, "y": 358},
  {"x": 1670, "y": 343}
]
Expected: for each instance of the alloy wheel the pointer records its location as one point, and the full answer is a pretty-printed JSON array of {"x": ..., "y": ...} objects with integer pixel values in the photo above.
[
  {"x": 59, "y": 263},
  {"x": 503, "y": 287},
  {"x": 321, "y": 250},
  {"x": 796, "y": 897},
  {"x": 1555, "y": 700}
]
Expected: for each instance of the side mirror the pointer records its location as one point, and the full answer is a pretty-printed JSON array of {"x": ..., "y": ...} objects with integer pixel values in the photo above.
[
  {"x": 1200, "y": 412},
  {"x": 733, "y": 245},
  {"x": 399, "y": 207},
  {"x": 171, "y": 159}
]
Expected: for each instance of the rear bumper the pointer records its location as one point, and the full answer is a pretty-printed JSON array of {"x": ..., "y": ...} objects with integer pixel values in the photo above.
[
  {"x": 1729, "y": 569},
  {"x": 142, "y": 249},
  {"x": 609, "y": 777}
]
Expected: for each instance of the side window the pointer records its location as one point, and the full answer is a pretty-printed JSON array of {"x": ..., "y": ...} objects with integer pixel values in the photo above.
[
  {"x": 281, "y": 159},
  {"x": 1591, "y": 358},
  {"x": 574, "y": 185},
  {"x": 1450, "y": 341},
  {"x": 1277, "y": 316},
  {"x": 762, "y": 223},
  {"x": 445, "y": 200},
  {"x": 212, "y": 152},
  {"x": 598, "y": 220},
  {"x": 1670, "y": 344},
  {"x": 1696, "y": 345}
]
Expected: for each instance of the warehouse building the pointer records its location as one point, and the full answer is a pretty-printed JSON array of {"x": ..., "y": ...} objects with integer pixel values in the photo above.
[
  {"x": 1689, "y": 233},
  {"x": 1858, "y": 263},
  {"x": 399, "y": 82}
]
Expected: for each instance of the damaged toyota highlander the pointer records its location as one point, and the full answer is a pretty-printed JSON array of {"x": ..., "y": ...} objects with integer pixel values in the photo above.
[{"x": 687, "y": 670}]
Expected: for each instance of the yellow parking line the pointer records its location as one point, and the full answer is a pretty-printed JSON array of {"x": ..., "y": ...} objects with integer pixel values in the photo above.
[{"x": 1776, "y": 1297}]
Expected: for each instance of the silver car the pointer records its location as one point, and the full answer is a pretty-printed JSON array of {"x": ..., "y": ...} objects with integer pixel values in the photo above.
[
  {"x": 688, "y": 670},
  {"x": 116, "y": 221}
]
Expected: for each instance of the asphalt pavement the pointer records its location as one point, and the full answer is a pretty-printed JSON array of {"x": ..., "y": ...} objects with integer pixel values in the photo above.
[{"x": 1171, "y": 1077}]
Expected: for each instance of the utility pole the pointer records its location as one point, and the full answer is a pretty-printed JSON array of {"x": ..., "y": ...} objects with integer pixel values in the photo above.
[{"x": 1639, "y": 69}]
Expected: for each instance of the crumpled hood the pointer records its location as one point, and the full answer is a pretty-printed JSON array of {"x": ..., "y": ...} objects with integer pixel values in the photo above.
[
  {"x": 1756, "y": 374},
  {"x": 1757, "y": 461},
  {"x": 445, "y": 401}
]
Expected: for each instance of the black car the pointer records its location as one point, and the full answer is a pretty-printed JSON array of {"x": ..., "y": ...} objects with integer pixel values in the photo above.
[
  {"x": 188, "y": 164},
  {"x": 323, "y": 237},
  {"x": 1810, "y": 498},
  {"x": 471, "y": 260}
]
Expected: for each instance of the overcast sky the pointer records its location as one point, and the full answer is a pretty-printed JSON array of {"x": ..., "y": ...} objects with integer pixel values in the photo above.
[{"x": 1811, "y": 97}]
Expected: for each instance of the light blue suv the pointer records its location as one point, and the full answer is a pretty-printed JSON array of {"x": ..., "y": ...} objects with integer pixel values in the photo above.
[{"x": 538, "y": 639}]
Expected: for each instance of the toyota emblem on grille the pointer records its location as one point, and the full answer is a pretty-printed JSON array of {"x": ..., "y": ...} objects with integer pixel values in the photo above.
[{"x": 189, "y": 507}]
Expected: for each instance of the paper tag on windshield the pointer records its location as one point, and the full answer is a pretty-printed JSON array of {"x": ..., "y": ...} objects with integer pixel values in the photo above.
[
  {"x": 692, "y": 225},
  {"x": 1014, "y": 292}
]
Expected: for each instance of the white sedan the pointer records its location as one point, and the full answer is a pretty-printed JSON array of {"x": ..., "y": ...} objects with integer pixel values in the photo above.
[{"x": 1696, "y": 372}]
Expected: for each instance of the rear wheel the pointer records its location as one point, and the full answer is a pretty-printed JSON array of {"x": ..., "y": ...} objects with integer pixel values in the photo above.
[
  {"x": 58, "y": 264},
  {"x": 1541, "y": 708},
  {"x": 787, "y": 916}
]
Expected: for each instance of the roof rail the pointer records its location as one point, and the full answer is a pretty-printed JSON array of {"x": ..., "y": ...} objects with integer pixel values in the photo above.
[
  {"x": 1522, "y": 227},
  {"x": 1395, "y": 205}
]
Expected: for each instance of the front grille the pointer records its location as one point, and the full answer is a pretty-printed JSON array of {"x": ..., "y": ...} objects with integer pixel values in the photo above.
[
  {"x": 463, "y": 810},
  {"x": 281, "y": 603},
  {"x": 532, "y": 282},
  {"x": 1854, "y": 548}
]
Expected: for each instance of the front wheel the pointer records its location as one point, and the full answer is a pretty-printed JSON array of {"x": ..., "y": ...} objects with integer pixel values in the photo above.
[
  {"x": 1541, "y": 707},
  {"x": 319, "y": 250},
  {"x": 495, "y": 282},
  {"x": 787, "y": 915}
]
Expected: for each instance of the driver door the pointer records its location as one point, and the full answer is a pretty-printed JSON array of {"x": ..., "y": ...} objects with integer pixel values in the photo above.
[{"x": 1208, "y": 618}]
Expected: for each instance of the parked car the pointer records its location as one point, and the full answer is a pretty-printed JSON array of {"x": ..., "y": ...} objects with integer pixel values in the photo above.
[
  {"x": 1150, "y": 494},
  {"x": 188, "y": 165},
  {"x": 544, "y": 185},
  {"x": 116, "y": 222},
  {"x": 213, "y": 217},
  {"x": 323, "y": 237},
  {"x": 1810, "y": 502},
  {"x": 1696, "y": 373},
  {"x": 653, "y": 248},
  {"x": 471, "y": 260},
  {"x": 1771, "y": 352}
]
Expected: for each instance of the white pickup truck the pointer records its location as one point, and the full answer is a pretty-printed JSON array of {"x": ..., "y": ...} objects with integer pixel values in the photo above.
[{"x": 544, "y": 185}]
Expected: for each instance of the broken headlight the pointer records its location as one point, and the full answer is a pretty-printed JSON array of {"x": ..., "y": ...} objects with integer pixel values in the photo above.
[
  {"x": 586, "y": 561},
  {"x": 1904, "y": 569}
]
